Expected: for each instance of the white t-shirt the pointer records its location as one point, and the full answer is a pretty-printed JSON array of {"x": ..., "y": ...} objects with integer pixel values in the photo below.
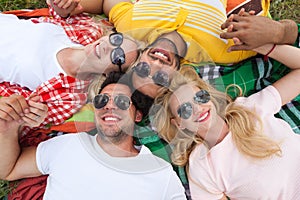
[
  {"x": 28, "y": 51},
  {"x": 225, "y": 169},
  {"x": 78, "y": 168}
]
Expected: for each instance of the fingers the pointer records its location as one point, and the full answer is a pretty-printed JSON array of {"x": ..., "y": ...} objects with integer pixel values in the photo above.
[
  {"x": 38, "y": 113},
  {"x": 237, "y": 41},
  {"x": 238, "y": 47},
  {"x": 34, "y": 97},
  {"x": 37, "y": 108},
  {"x": 13, "y": 107},
  {"x": 227, "y": 35},
  {"x": 66, "y": 4},
  {"x": 227, "y": 22}
]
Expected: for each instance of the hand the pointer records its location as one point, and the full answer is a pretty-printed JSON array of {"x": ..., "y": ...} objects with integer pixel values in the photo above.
[
  {"x": 37, "y": 112},
  {"x": 12, "y": 109},
  {"x": 65, "y": 7},
  {"x": 249, "y": 31},
  {"x": 15, "y": 111}
]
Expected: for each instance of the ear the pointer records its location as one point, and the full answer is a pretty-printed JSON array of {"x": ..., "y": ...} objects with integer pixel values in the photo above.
[
  {"x": 176, "y": 123},
  {"x": 138, "y": 116}
]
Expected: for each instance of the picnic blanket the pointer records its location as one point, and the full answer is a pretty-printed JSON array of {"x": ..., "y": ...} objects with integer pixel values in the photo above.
[{"x": 252, "y": 75}]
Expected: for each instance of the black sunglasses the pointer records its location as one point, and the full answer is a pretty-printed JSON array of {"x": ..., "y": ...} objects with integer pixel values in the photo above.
[
  {"x": 117, "y": 55},
  {"x": 121, "y": 101},
  {"x": 185, "y": 110},
  {"x": 161, "y": 78}
]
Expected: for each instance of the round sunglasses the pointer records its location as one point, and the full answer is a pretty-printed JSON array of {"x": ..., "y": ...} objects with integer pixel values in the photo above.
[
  {"x": 121, "y": 101},
  {"x": 143, "y": 69},
  {"x": 185, "y": 110},
  {"x": 117, "y": 55}
]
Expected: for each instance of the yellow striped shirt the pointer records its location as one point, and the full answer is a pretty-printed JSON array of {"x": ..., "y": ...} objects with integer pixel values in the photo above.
[{"x": 197, "y": 21}]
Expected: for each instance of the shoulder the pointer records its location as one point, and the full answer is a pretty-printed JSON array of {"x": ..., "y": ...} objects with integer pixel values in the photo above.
[
  {"x": 268, "y": 99},
  {"x": 57, "y": 141}
]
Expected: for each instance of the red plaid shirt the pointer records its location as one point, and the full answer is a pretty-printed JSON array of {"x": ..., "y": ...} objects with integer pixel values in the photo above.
[
  {"x": 64, "y": 96},
  {"x": 80, "y": 28}
]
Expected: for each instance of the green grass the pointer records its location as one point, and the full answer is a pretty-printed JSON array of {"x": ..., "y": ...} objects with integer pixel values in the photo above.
[
  {"x": 4, "y": 189},
  {"x": 280, "y": 9},
  {"x": 21, "y": 4},
  {"x": 286, "y": 9}
]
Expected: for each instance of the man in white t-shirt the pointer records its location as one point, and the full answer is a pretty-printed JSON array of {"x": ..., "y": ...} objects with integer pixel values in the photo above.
[{"x": 81, "y": 166}]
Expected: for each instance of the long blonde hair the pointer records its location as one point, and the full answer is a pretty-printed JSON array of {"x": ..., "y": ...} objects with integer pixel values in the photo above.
[{"x": 245, "y": 125}]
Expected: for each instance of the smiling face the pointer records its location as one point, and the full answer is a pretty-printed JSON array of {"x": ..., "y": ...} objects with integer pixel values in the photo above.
[
  {"x": 113, "y": 123},
  {"x": 203, "y": 116},
  {"x": 98, "y": 55},
  {"x": 161, "y": 55}
]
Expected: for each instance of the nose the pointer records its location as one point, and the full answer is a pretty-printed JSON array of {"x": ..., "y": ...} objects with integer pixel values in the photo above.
[
  {"x": 156, "y": 64},
  {"x": 197, "y": 108},
  {"x": 110, "y": 105}
]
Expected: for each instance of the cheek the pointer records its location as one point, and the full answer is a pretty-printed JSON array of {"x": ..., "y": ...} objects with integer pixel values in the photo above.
[{"x": 190, "y": 125}]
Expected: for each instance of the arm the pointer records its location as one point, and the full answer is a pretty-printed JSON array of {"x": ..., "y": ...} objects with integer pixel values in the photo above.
[
  {"x": 254, "y": 31},
  {"x": 287, "y": 86},
  {"x": 64, "y": 7},
  {"x": 15, "y": 112}
]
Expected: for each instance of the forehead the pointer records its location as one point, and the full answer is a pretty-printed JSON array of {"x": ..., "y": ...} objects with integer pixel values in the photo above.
[
  {"x": 184, "y": 93},
  {"x": 129, "y": 45},
  {"x": 131, "y": 50},
  {"x": 116, "y": 88}
]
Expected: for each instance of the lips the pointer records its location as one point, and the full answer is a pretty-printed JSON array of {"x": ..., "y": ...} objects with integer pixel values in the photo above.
[
  {"x": 97, "y": 50},
  {"x": 111, "y": 118},
  {"x": 161, "y": 54},
  {"x": 203, "y": 116}
]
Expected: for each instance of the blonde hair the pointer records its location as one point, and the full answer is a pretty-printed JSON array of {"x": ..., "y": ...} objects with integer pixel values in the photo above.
[{"x": 245, "y": 125}]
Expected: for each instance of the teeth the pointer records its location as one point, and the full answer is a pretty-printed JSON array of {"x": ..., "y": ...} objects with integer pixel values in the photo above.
[
  {"x": 98, "y": 50},
  {"x": 203, "y": 117},
  {"x": 161, "y": 55},
  {"x": 111, "y": 119}
]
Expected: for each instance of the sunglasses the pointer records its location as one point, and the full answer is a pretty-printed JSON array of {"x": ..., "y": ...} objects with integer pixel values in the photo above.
[
  {"x": 121, "y": 101},
  {"x": 161, "y": 78},
  {"x": 185, "y": 110},
  {"x": 117, "y": 55}
]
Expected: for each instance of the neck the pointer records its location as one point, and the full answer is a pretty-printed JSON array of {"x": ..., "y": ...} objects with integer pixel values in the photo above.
[
  {"x": 217, "y": 134},
  {"x": 69, "y": 60},
  {"x": 125, "y": 148}
]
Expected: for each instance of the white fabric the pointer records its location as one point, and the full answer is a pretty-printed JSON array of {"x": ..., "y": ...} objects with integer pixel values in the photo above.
[
  {"x": 224, "y": 169},
  {"x": 79, "y": 169},
  {"x": 28, "y": 51}
]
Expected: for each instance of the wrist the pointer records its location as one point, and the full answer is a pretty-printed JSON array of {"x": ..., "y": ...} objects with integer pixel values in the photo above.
[
  {"x": 289, "y": 32},
  {"x": 269, "y": 52},
  {"x": 66, "y": 17}
]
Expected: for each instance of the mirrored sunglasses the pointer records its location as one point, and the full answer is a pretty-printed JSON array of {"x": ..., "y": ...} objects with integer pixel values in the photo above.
[
  {"x": 117, "y": 55},
  {"x": 185, "y": 110},
  {"x": 123, "y": 102},
  {"x": 143, "y": 69}
]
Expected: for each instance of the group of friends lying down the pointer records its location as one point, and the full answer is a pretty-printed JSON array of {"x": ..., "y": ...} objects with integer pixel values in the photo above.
[{"x": 210, "y": 90}]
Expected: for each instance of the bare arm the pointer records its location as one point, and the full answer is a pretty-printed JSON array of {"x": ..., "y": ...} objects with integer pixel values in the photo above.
[
  {"x": 254, "y": 31},
  {"x": 287, "y": 86},
  {"x": 15, "y": 112},
  {"x": 108, "y": 4},
  {"x": 64, "y": 7}
]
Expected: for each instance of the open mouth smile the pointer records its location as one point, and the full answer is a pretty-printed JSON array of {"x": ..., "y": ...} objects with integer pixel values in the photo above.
[
  {"x": 161, "y": 54},
  {"x": 203, "y": 116}
]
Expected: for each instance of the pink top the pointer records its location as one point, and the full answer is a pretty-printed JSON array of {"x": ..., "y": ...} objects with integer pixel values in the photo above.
[{"x": 224, "y": 170}]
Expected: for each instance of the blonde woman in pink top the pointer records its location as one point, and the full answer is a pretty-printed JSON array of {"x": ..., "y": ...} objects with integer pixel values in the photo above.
[{"x": 234, "y": 148}]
